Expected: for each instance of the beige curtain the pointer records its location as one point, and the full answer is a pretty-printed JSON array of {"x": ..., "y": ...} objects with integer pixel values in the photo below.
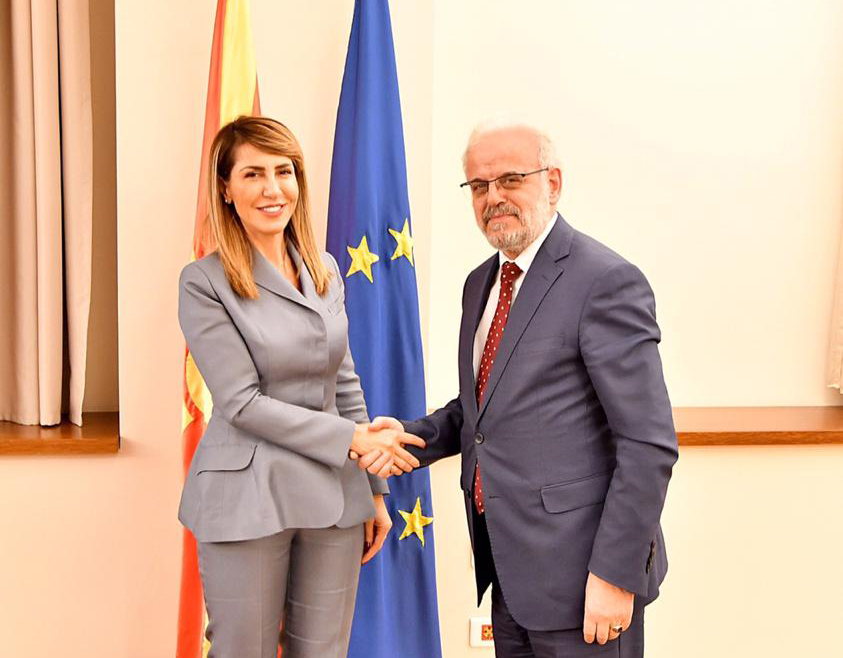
[
  {"x": 45, "y": 233},
  {"x": 834, "y": 373}
]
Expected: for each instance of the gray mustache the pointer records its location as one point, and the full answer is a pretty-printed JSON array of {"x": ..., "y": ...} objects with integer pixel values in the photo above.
[{"x": 501, "y": 209}]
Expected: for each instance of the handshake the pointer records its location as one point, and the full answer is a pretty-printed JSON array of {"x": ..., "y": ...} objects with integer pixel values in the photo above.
[{"x": 378, "y": 447}]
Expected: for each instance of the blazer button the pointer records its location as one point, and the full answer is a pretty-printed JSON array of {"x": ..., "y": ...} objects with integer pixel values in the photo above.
[{"x": 479, "y": 438}]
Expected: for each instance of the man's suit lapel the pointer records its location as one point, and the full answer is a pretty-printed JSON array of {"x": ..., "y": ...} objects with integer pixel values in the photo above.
[
  {"x": 476, "y": 295},
  {"x": 546, "y": 268}
]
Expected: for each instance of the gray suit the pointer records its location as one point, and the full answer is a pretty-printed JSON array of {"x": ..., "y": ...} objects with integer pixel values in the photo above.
[
  {"x": 286, "y": 399},
  {"x": 274, "y": 459},
  {"x": 574, "y": 438}
]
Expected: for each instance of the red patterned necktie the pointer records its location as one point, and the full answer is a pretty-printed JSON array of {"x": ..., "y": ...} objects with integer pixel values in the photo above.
[{"x": 509, "y": 272}]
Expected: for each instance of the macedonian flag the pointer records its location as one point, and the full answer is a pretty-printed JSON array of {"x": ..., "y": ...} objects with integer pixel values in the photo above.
[{"x": 232, "y": 91}]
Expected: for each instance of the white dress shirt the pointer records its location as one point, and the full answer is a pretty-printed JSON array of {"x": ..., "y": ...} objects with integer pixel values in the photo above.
[{"x": 523, "y": 260}]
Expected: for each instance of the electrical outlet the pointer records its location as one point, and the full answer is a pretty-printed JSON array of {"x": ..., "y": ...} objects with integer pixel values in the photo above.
[{"x": 480, "y": 632}]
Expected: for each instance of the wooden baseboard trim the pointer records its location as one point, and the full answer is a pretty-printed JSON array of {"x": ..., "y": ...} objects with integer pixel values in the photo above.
[
  {"x": 99, "y": 435},
  {"x": 756, "y": 426}
]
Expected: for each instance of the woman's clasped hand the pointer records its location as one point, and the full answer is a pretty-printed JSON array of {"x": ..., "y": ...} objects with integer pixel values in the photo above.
[{"x": 380, "y": 449}]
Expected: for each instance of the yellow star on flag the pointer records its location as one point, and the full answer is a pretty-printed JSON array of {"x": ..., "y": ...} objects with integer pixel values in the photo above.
[
  {"x": 362, "y": 260},
  {"x": 415, "y": 522},
  {"x": 405, "y": 243}
]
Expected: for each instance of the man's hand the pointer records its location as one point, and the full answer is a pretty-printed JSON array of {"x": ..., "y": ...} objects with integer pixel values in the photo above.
[
  {"x": 404, "y": 462},
  {"x": 389, "y": 457},
  {"x": 386, "y": 423},
  {"x": 376, "y": 529},
  {"x": 605, "y": 606}
]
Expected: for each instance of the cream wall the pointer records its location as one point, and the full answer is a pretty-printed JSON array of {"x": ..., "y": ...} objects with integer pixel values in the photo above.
[{"x": 702, "y": 141}]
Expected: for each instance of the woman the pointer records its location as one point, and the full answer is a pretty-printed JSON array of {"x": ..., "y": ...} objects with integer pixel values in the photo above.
[{"x": 279, "y": 510}]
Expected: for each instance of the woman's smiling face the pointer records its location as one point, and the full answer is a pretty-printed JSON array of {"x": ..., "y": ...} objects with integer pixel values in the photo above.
[{"x": 263, "y": 189}]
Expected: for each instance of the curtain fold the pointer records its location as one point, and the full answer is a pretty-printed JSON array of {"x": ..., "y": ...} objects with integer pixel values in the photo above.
[
  {"x": 45, "y": 240},
  {"x": 77, "y": 164}
]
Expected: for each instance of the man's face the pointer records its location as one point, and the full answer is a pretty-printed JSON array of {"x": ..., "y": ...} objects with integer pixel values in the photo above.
[{"x": 511, "y": 218}]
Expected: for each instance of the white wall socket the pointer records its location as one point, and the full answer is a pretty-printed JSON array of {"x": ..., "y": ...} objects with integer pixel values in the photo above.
[{"x": 480, "y": 632}]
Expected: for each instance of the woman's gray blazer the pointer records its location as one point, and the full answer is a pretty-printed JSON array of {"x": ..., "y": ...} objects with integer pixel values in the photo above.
[{"x": 285, "y": 403}]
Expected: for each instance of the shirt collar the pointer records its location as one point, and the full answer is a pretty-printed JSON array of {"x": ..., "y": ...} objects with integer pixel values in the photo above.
[{"x": 525, "y": 258}]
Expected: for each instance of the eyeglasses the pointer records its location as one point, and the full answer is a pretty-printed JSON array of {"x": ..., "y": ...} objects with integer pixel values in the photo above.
[{"x": 509, "y": 181}]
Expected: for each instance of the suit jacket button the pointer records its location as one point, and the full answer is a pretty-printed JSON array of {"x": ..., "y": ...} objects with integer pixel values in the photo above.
[{"x": 479, "y": 438}]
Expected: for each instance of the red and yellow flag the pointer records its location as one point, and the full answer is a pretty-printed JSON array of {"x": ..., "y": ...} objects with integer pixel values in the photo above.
[{"x": 232, "y": 91}]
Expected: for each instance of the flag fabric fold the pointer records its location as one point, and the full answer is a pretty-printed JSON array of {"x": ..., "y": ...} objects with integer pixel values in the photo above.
[
  {"x": 232, "y": 91},
  {"x": 370, "y": 235}
]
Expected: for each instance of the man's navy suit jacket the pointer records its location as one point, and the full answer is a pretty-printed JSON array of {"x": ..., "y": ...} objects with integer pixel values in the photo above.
[{"x": 574, "y": 439}]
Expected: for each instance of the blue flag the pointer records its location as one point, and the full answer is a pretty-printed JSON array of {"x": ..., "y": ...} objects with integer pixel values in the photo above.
[{"x": 370, "y": 235}]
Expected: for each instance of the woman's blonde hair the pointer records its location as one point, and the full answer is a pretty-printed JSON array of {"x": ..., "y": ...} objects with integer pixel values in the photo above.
[{"x": 232, "y": 243}]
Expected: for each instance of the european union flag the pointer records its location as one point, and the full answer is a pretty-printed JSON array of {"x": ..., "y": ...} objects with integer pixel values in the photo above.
[{"x": 369, "y": 233}]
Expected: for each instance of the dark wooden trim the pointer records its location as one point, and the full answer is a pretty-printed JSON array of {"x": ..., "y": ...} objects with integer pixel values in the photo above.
[
  {"x": 695, "y": 426},
  {"x": 755, "y": 426},
  {"x": 98, "y": 435}
]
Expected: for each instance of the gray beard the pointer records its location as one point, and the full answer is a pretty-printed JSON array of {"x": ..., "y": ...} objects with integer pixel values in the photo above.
[
  {"x": 514, "y": 241},
  {"x": 519, "y": 239}
]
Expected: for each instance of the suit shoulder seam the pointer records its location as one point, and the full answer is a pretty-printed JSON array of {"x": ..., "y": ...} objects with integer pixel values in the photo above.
[{"x": 597, "y": 279}]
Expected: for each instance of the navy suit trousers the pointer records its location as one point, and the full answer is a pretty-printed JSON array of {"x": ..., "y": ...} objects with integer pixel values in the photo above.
[{"x": 514, "y": 641}]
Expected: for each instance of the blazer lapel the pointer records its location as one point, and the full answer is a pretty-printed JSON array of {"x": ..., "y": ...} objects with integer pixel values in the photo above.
[
  {"x": 476, "y": 295},
  {"x": 308, "y": 288},
  {"x": 546, "y": 268},
  {"x": 266, "y": 276}
]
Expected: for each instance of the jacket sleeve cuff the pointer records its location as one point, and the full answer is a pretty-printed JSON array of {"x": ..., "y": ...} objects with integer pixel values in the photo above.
[
  {"x": 631, "y": 573},
  {"x": 378, "y": 485}
]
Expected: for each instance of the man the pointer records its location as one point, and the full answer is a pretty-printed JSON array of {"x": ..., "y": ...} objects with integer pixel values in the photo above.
[{"x": 563, "y": 420}]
